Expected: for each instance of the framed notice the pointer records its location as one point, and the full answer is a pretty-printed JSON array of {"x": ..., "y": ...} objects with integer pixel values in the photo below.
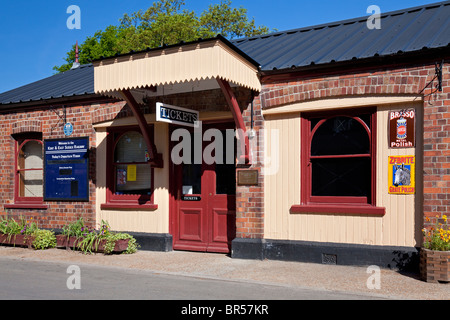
[
  {"x": 402, "y": 175},
  {"x": 402, "y": 129},
  {"x": 66, "y": 169},
  {"x": 247, "y": 177}
]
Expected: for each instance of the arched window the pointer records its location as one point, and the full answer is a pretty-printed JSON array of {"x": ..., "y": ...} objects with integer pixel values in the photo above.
[
  {"x": 338, "y": 158},
  {"x": 133, "y": 173},
  {"x": 129, "y": 176},
  {"x": 29, "y": 171}
]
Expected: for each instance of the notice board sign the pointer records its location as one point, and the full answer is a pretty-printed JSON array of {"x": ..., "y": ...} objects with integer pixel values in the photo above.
[
  {"x": 66, "y": 169},
  {"x": 402, "y": 175},
  {"x": 402, "y": 129}
]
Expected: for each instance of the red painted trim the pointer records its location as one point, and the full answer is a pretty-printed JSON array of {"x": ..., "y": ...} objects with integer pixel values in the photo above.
[
  {"x": 26, "y": 206},
  {"x": 21, "y": 202},
  {"x": 113, "y": 201},
  {"x": 238, "y": 119},
  {"x": 155, "y": 158},
  {"x": 339, "y": 209},
  {"x": 125, "y": 206},
  {"x": 345, "y": 203}
]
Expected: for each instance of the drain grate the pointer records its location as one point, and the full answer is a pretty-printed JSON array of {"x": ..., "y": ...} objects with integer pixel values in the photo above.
[{"x": 329, "y": 259}]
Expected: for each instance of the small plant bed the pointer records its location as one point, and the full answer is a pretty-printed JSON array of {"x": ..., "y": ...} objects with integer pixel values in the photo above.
[
  {"x": 78, "y": 236},
  {"x": 26, "y": 234}
]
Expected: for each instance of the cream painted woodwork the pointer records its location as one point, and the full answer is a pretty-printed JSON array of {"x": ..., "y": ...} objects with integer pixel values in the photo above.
[{"x": 399, "y": 227}]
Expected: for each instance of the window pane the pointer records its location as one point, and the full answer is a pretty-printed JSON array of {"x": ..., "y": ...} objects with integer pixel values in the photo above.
[
  {"x": 192, "y": 179},
  {"x": 340, "y": 136},
  {"x": 130, "y": 148},
  {"x": 341, "y": 177},
  {"x": 31, "y": 182},
  {"x": 133, "y": 179},
  {"x": 226, "y": 168}
]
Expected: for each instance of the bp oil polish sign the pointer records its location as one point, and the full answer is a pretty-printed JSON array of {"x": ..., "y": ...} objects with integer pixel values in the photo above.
[
  {"x": 66, "y": 170},
  {"x": 402, "y": 129},
  {"x": 402, "y": 175}
]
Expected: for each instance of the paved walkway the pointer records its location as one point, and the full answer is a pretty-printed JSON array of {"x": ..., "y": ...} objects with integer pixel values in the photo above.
[{"x": 217, "y": 266}]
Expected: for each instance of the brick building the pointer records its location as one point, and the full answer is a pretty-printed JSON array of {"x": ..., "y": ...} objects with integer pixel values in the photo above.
[{"x": 341, "y": 153}]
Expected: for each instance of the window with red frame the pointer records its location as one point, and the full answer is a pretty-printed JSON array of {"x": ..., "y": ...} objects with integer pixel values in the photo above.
[
  {"x": 338, "y": 158},
  {"x": 129, "y": 176},
  {"x": 29, "y": 170}
]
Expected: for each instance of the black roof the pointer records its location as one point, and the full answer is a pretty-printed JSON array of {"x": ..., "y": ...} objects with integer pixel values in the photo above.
[
  {"x": 402, "y": 31},
  {"x": 71, "y": 83}
]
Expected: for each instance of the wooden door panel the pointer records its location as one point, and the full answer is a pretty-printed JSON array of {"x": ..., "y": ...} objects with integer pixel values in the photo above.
[{"x": 191, "y": 224}]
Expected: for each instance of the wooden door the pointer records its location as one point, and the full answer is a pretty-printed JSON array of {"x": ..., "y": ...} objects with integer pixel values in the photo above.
[{"x": 203, "y": 213}]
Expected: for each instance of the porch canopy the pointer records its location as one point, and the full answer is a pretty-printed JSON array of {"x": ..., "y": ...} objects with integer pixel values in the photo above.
[{"x": 205, "y": 64}]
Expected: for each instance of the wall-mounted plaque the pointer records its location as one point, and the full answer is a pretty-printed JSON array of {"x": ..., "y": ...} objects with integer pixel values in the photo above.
[
  {"x": 247, "y": 177},
  {"x": 402, "y": 129}
]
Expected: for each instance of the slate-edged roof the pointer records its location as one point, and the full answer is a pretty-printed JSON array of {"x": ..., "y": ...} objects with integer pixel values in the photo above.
[{"x": 408, "y": 30}]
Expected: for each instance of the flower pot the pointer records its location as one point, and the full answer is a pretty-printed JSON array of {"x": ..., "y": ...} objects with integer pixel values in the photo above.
[
  {"x": 435, "y": 265},
  {"x": 18, "y": 240},
  {"x": 66, "y": 242},
  {"x": 120, "y": 245},
  {"x": 99, "y": 246}
]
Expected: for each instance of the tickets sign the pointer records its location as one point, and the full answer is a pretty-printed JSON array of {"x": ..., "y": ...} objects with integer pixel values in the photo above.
[{"x": 402, "y": 175}]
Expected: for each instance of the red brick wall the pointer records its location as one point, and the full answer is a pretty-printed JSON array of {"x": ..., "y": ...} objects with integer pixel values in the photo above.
[
  {"x": 396, "y": 81},
  {"x": 250, "y": 199},
  {"x": 50, "y": 124}
]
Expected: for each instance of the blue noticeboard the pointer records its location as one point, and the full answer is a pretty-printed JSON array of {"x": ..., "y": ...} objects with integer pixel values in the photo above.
[{"x": 66, "y": 169}]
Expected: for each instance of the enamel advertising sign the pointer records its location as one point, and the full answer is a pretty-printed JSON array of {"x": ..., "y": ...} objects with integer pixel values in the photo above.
[
  {"x": 402, "y": 126},
  {"x": 402, "y": 175}
]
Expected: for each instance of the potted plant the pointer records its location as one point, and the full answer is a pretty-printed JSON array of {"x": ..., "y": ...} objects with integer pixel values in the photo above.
[
  {"x": 17, "y": 233},
  {"x": 24, "y": 233},
  {"x": 77, "y": 235},
  {"x": 435, "y": 255}
]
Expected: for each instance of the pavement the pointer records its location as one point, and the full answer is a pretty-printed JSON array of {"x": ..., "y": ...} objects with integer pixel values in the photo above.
[{"x": 382, "y": 283}]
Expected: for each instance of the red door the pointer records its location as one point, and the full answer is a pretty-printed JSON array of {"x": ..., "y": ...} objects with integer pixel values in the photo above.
[{"x": 203, "y": 210}]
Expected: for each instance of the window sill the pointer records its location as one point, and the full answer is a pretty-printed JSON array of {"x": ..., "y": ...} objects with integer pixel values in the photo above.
[
  {"x": 26, "y": 206},
  {"x": 339, "y": 209},
  {"x": 126, "y": 206}
]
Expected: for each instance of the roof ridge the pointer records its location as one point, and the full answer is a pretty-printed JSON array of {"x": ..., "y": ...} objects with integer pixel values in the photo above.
[{"x": 342, "y": 22}]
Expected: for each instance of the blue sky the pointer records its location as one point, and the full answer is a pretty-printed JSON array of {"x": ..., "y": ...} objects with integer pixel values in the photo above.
[{"x": 34, "y": 35}]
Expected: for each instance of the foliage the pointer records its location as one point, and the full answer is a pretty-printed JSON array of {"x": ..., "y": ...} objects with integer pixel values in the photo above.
[
  {"x": 76, "y": 229},
  {"x": 90, "y": 239},
  {"x": 164, "y": 23},
  {"x": 44, "y": 239},
  {"x": 22, "y": 227},
  {"x": 438, "y": 237}
]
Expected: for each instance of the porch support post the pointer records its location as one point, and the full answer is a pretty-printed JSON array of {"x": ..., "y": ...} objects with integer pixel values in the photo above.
[
  {"x": 238, "y": 119},
  {"x": 155, "y": 158}
]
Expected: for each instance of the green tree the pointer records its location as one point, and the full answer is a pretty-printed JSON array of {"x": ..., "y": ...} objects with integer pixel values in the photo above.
[{"x": 164, "y": 23}]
